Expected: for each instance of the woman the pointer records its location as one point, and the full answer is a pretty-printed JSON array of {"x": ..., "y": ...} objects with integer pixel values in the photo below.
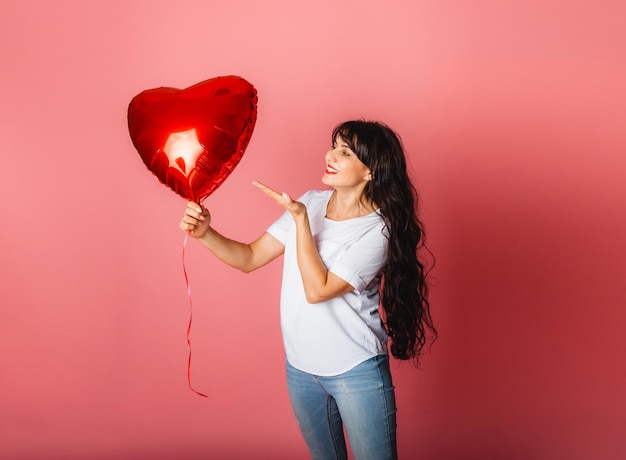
[{"x": 346, "y": 250}]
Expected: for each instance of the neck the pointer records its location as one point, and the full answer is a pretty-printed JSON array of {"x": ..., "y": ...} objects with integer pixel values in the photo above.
[{"x": 346, "y": 205}]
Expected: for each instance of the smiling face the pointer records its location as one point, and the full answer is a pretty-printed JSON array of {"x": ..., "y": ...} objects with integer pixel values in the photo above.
[{"x": 344, "y": 169}]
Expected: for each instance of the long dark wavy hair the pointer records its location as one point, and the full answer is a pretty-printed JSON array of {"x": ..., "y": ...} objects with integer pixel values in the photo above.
[{"x": 404, "y": 290}]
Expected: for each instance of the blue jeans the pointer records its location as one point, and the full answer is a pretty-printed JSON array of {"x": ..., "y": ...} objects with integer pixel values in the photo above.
[{"x": 362, "y": 400}]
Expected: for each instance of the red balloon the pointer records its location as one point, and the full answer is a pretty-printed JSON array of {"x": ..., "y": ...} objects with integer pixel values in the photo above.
[{"x": 192, "y": 139}]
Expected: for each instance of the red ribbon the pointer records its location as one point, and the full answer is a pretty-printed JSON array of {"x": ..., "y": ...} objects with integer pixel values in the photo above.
[{"x": 190, "y": 320}]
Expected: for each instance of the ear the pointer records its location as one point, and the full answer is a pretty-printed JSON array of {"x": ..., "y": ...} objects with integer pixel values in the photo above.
[{"x": 369, "y": 176}]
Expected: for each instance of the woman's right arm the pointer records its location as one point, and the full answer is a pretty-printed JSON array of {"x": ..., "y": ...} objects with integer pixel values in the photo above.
[{"x": 245, "y": 257}]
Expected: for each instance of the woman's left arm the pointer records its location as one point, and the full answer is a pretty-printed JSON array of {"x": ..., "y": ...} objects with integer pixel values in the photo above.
[{"x": 319, "y": 283}]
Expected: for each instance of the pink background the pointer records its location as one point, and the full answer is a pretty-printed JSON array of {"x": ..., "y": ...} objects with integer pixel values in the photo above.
[{"x": 513, "y": 117}]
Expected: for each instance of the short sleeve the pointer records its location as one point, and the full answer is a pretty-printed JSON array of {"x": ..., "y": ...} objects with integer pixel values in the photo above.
[
  {"x": 360, "y": 263},
  {"x": 281, "y": 227}
]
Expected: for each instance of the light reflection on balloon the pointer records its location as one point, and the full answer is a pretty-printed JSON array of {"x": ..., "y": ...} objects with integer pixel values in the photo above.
[{"x": 183, "y": 149}]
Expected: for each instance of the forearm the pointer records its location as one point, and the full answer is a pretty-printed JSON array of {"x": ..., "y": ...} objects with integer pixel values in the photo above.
[
  {"x": 234, "y": 253},
  {"x": 313, "y": 271}
]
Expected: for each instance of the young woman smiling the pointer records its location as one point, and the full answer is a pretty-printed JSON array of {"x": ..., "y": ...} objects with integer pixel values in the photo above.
[{"x": 347, "y": 251}]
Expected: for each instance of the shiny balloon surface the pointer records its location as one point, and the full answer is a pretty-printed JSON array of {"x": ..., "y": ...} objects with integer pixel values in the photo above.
[{"x": 192, "y": 139}]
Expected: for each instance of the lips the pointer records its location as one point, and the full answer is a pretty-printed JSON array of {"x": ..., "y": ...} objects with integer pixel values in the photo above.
[{"x": 331, "y": 170}]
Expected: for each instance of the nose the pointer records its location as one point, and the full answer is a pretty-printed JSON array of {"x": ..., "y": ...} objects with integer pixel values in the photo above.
[{"x": 330, "y": 156}]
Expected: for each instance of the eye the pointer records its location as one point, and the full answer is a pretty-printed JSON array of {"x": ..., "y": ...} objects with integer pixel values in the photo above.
[{"x": 345, "y": 153}]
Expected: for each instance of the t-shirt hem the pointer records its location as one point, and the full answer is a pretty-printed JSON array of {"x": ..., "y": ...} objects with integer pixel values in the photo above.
[{"x": 339, "y": 372}]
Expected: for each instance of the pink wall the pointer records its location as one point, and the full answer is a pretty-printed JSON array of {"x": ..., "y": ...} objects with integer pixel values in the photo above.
[{"x": 513, "y": 116}]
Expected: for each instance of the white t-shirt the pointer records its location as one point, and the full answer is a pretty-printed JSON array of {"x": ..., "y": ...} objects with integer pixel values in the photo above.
[{"x": 332, "y": 337}]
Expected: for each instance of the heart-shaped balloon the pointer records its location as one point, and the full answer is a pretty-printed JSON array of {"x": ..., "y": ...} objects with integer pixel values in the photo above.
[{"x": 192, "y": 139}]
